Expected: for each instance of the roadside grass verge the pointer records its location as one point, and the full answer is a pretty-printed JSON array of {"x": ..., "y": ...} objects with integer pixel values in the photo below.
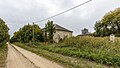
[
  {"x": 97, "y": 49},
  {"x": 68, "y": 62},
  {"x": 3, "y": 55}
]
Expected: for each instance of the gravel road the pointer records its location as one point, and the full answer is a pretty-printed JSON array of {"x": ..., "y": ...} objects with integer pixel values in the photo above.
[
  {"x": 21, "y": 58},
  {"x": 17, "y": 60}
]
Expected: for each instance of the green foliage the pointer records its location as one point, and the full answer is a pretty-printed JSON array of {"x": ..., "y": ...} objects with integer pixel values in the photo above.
[
  {"x": 110, "y": 24},
  {"x": 25, "y": 34},
  {"x": 67, "y": 61},
  {"x": 3, "y": 56},
  {"x": 4, "y": 35},
  {"x": 95, "y": 49},
  {"x": 49, "y": 30}
]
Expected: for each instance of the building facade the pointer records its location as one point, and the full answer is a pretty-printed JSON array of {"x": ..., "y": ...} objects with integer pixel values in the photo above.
[{"x": 61, "y": 33}]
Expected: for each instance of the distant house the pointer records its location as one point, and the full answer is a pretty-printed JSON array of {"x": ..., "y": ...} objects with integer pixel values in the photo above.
[{"x": 61, "y": 33}]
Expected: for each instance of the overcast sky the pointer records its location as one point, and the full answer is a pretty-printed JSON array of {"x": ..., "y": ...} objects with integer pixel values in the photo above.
[{"x": 17, "y": 13}]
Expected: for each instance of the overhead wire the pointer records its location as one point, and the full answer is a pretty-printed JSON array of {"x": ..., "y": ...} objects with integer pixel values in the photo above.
[{"x": 63, "y": 11}]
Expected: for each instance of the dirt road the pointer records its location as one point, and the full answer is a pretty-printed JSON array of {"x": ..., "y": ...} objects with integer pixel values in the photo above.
[{"x": 17, "y": 60}]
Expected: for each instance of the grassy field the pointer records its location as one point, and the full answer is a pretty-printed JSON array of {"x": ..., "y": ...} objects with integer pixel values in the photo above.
[
  {"x": 100, "y": 50},
  {"x": 66, "y": 61},
  {"x": 94, "y": 51},
  {"x": 3, "y": 55}
]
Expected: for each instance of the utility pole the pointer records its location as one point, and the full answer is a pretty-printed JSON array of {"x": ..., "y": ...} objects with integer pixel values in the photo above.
[{"x": 33, "y": 34}]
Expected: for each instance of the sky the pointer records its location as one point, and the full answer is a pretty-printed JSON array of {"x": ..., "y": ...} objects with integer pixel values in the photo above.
[{"x": 17, "y": 13}]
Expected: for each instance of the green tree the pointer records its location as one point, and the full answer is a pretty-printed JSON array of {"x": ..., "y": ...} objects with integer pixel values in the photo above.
[
  {"x": 109, "y": 24},
  {"x": 4, "y": 34},
  {"x": 25, "y": 34},
  {"x": 38, "y": 34},
  {"x": 49, "y": 31}
]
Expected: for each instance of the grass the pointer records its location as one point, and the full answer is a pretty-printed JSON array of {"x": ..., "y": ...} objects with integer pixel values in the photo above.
[
  {"x": 96, "y": 49},
  {"x": 68, "y": 62},
  {"x": 3, "y": 56}
]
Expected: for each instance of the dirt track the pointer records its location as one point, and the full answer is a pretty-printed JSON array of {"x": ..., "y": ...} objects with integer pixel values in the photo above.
[{"x": 17, "y": 60}]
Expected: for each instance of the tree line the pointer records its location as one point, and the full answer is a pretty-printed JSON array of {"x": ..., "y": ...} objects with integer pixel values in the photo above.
[
  {"x": 109, "y": 24},
  {"x": 26, "y": 34},
  {"x": 4, "y": 34}
]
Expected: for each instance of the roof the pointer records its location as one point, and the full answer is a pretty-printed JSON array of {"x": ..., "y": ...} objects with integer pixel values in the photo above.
[{"x": 58, "y": 27}]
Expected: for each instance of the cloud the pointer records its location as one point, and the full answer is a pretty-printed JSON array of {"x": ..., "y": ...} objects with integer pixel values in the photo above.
[{"x": 17, "y": 13}]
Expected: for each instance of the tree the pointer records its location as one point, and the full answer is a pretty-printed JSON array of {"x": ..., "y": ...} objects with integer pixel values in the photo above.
[
  {"x": 25, "y": 34},
  {"x": 49, "y": 31},
  {"x": 38, "y": 33},
  {"x": 4, "y": 35},
  {"x": 109, "y": 24}
]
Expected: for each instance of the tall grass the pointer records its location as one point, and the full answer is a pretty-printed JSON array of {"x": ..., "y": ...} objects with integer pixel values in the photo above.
[
  {"x": 3, "y": 55},
  {"x": 66, "y": 61},
  {"x": 97, "y": 49}
]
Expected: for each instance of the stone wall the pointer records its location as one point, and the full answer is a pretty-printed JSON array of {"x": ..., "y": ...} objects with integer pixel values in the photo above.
[{"x": 61, "y": 35}]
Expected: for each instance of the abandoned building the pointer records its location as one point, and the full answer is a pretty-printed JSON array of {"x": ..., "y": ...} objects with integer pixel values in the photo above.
[{"x": 61, "y": 33}]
